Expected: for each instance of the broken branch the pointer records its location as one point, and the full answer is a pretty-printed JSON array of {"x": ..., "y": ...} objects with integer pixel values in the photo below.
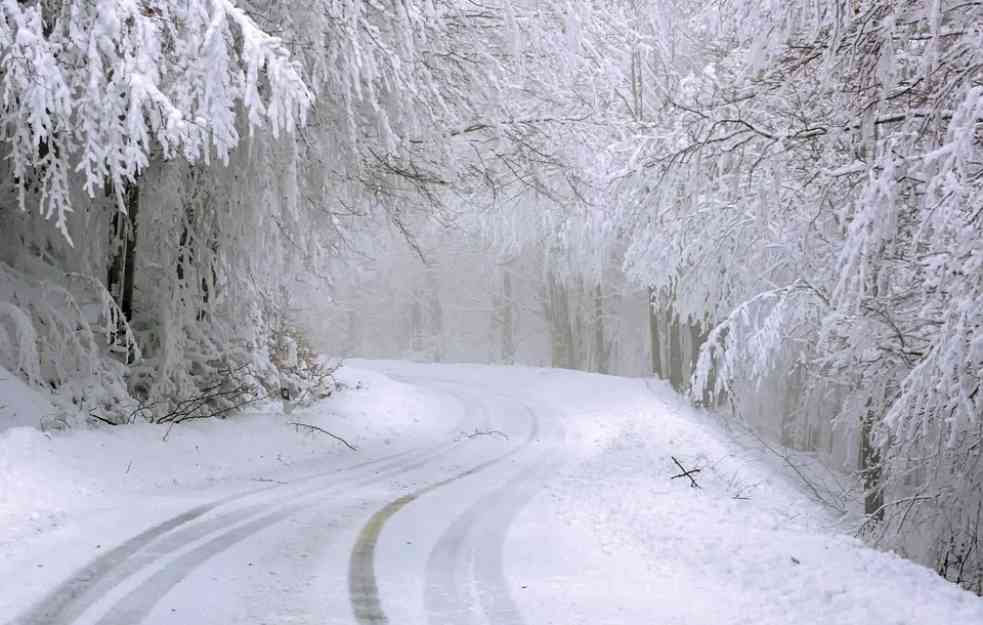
[
  {"x": 478, "y": 433},
  {"x": 686, "y": 473},
  {"x": 313, "y": 428}
]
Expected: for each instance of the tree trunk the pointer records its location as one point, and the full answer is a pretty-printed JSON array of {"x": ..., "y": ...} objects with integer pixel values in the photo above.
[
  {"x": 120, "y": 276},
  {"x": 132, "y": 208},
  {"x": 508, "y": 329},
  {"x": 600, "y": 350},
  {"x": 435, "y": 321},
  {"x": 697, "y": 338},
  {"x": 558, "y": 317},
  {"x": 870, "y": 467},
  {"x": 655, "y": 343},
  {"x": 566, "y": 329},
  {"x": 791, "y": 427},
  {"x": 123, "y": 234},
  {"x": 675, "y": 354},
  {"x": 580, "y": 338}
]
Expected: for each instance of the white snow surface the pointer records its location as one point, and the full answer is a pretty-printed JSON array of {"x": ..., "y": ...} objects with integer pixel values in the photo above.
[
  {"x": 582, "y": 523},
  {"x": 21, "y": 405},
  {"x": 65, "y": 496}
]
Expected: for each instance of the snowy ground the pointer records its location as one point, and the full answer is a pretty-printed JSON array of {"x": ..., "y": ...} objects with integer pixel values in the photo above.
[
  {"x": 62, "y": 493},
  {"x": 557, "y": 509}
]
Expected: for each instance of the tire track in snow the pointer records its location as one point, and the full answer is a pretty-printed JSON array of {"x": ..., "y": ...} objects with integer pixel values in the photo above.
[
  {"x": 71, "y": 598},
  {"x": 363, "y": 587},
  {"x": 465, "y": 574},
  {"x": 138, "y": 603}
]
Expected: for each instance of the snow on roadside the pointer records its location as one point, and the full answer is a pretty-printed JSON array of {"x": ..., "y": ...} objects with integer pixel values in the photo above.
[
  {"x": 649, "y": 549},
  {"x": 627, "y": 545},
  {"x": 21, "y": 405},
  {"x": 71, "y": 486}
]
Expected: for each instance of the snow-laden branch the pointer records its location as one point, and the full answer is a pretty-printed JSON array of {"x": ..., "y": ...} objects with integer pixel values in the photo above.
[{"x": 97, "y": 88}]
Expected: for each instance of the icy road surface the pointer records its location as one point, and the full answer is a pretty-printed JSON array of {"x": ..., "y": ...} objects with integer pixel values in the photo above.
[{"x": 479, "y": 495}]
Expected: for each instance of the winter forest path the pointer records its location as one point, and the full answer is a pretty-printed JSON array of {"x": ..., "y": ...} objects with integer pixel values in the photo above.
[
  {"x": 527, "y": 496},
  {"x": 252, "y": 557}
]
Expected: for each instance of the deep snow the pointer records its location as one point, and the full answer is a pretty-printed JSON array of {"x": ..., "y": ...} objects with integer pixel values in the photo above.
[
  {"x": 61, "y": 492},
  {"x": 603, "y": 535},
  {"x": 21, "y": 405}
]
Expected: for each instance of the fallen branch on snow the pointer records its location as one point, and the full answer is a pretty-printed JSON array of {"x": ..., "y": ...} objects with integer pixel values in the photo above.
[
  {"x": 478, "y": 433},
  {"x": 313, "y": 428},
  {"x": 267, "y": 479},
  {"x": 686, "y": 473}
]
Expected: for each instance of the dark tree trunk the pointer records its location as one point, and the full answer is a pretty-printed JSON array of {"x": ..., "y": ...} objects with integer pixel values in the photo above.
[
  {"x": 132, "y": 208},
  {"x": 120, "y": 277},
  {"x": 697, "y": 338},
  {"x": 870, "y": 468}
]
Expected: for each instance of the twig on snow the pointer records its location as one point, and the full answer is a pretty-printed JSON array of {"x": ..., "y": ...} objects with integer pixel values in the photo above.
[
  {"x": 686, "y": 473},
  {"x": 97, "y": 417},
  {"x": 270, "y": 480},
  {"x": 478, "y": 433},
  {"x": 313, "y": 428}
]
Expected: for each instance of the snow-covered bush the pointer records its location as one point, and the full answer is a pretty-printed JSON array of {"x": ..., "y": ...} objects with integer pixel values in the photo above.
[{"x": 56, "y": 337}]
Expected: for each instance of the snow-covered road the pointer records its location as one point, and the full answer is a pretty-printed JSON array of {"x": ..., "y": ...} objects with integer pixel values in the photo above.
[{"x": 513, "y": 496}]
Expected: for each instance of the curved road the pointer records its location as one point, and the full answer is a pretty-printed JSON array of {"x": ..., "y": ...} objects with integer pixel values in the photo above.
[{"x": 412, "y": 537}]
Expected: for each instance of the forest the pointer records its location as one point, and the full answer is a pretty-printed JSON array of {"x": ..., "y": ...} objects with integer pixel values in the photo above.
[{"x": 774, "y": 205}]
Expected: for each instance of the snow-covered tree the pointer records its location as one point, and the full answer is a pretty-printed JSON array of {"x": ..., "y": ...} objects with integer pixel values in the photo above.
[
  {"x": 809, "y": 187},
  {"x": 786, "y": 192}
]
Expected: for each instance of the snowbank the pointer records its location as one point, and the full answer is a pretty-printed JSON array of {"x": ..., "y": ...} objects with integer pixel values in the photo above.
[
  {"x": 56, "y": 480},
  {"x": 21, "y": 405},
  {"x": 750, "y": 545}
]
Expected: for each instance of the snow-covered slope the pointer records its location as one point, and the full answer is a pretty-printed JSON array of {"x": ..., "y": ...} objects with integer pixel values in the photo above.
[
  {"x": 750, "y": 545},
  {"x": 21, "y": 405}
]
